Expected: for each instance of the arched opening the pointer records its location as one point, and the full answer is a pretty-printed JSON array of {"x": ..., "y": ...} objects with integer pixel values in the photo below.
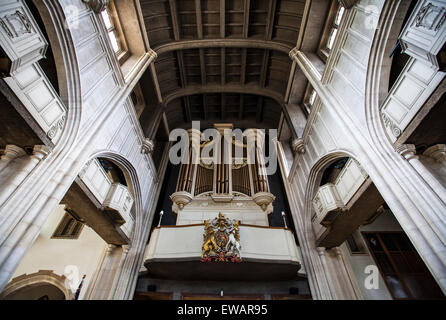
[
  {"x": 42, "y": 285},
  {"x": 85, "y": 233},
  {"x": 350, "y": 213},
  {"x": 40, "y": 291}
]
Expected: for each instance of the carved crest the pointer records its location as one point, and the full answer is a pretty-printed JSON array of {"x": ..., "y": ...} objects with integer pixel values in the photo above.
[{"x": 221, "y": 240}]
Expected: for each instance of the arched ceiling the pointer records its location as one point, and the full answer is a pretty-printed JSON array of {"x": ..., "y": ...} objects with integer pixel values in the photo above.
[{"x": 222, "y": 60}]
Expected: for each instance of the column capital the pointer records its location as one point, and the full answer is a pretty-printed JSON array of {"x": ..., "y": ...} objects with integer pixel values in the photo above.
[
  {"x": 436, "y": 152},
  {"x": 298, "y": 146},
  {"x": 41, "y": 151},
  {"x": 96, "y": 5},
  {"x": 347, "y": 3},
  {"x": 320, "y": 251},
  {"x": 147, "y": 146},
  {"x": 12, "y": 151},
  {"x": 152, "y": 55},
  {"x": 408, "y": 151},
  {"x": 293, "y": 53}
]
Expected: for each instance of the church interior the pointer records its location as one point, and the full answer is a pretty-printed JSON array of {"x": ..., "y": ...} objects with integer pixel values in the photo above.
[{"x": 222, "y": 150}]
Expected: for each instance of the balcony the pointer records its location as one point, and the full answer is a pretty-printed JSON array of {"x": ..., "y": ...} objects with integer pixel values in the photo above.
[
  {"x": 105, "y": 206},
  {"x": 341, "y": 207},
  {"x": 267, "y": 253}
]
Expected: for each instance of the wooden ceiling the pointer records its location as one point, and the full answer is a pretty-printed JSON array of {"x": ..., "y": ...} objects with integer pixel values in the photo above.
[{"x": 222, "y": 60}]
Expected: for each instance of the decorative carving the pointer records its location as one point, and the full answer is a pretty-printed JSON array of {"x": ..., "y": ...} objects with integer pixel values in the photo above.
[
  {"x": 56, "y": 127},
  {"x": 84, "y": 169},
  {"x": 293, "y": 53},
  {"x": 181, "y": 198},
  {"x": 298, "y": 146},
  {"x": 431, "y": 17},
  {"x": 97, "y": 5},
  {"x": 153, "y": 55},
  {"x": 408, "y": 151},
  {"x": 392, "y": 126},
  {"x": 347, "y": 3},
  {"x": 436, "y": 152},
  {"x": 16, "y": 24},
  {"x": 147, "y": 146},
  {"x": 263, "y": 199},
  {"x": 221, "y": 240}
]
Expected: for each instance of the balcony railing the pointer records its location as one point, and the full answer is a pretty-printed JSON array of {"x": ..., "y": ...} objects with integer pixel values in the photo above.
[{"x": 115, "y": 198}]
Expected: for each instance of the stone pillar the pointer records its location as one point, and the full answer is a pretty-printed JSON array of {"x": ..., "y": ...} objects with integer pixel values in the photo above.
[
  {"x": 147, "y": 146},
  {"x": 17, "y": 176},
  {"x": 10, "y": 153},
  {"x": 103, "y": 286},
  {"x": 437, "y": 152},
  {"x": 408, "y": 151}
]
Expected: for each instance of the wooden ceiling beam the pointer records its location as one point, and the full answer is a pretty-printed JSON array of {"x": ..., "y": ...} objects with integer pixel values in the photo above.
[
  {"x": 225, "y": 43},
  {"x": 263, "y": 73},
  {"x": 228, "y": 88},
  {"x": 186, "y": 101},
  {"x": 222, "y": 19},
  {"x": 202, "y": 67},
  {"x": 223, "y": 106},
  {"x": 223, "y": 65},
  {"x": 270, "y": 19},
  {"x": 246, "y": 13},
  {"x": 174, "y": 18},
  {"x": 243, "y": 67},
  {"x": 242, "y": 106},
  {"x": 205, "y": 107},
  {"x": 199, "y": 19},
  {"x": 259, "y": 114}
]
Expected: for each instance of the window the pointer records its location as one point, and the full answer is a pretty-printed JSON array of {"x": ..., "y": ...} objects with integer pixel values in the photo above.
[
  {"x": 69, "y": 227},
  {"x": 402, "y": 269},
  {"x": 309, "y": 99},
  {"x": 331, "y": 29},
  {"x": 111, "y": 21},
  {"x": 355, "y": 244}
]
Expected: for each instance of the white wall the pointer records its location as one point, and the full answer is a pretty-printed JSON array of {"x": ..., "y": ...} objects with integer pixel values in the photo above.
[
  {"x": 386, "y": 222},
  {"x": 56, "y": 254}
]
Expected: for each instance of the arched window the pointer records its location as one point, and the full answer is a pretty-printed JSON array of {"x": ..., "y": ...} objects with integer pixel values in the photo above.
[
  {"x": 114, "y": 31},
  {"x": 331, "y": 29}
]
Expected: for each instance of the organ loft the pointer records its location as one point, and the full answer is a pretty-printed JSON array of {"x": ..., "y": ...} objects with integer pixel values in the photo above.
[{"x": 222, "y": 150}]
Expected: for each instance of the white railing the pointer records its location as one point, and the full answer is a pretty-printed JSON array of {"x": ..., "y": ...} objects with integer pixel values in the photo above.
[
  {"x": 114, "y": 196},
  {"x": 257, "y": 244},
  {"x": 332, "y": 198}
]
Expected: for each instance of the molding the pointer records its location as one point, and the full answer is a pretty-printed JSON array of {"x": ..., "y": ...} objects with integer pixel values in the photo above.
[
  {"x": 247, "y": 89},
  {"x": 347, "y": 3},
  {"x": 222, "y": 43},
  {"x": 97, "y": 5}
]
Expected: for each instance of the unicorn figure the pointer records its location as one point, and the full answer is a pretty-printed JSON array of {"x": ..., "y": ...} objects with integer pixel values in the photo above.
[{"x": 233, "y": 246}]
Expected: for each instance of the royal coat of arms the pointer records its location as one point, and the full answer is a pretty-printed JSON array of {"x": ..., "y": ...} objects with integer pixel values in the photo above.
[{"x": 221, "y": 240}]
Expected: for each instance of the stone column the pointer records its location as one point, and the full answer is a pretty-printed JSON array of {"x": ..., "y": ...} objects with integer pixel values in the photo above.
[
  {"x": 10, "y": 153},
  {"x": 408, "y": 151},
  {"x": 15, "y": 178},
  {"x": 347, "y": 3},
  {"x": 106, "y": 274},
  {"x": 298, "y": 146},
  {"x": 437, "y": 152}
]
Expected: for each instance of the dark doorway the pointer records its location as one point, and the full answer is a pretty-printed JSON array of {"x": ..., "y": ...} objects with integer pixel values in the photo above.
[{"x": 405, "y": 274}]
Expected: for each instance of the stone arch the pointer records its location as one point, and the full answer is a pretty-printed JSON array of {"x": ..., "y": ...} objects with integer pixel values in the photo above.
[
  {"x": 67, "y": 68},
  {"x": 315, "y": 176},
  {"x": 380, "y": 64},
  {"x": 131, "y": 178},
  {"x": 42, "y": 277}
]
